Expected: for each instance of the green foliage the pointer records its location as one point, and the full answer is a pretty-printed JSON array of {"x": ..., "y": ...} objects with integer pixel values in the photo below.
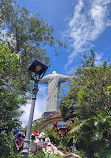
[
  {"x": 37, "y": 123},
  {"x": 93, "y": 133},
  {"x": 12, "y": 77},
  {"x": 67, "y": 111},
  {"x": 8, "y": 94},
  {"x": 52, "y": 134},
  {"x": 26, "y": 35},
  {"x": 91, "y": 99},
  {"x": 41, "y": 154},
  {"x": 9, "y": 101},
  {"x": 5, "y": 146},
  {"x": 63, "y": 143},
  {"x": 81, "y": 153}
]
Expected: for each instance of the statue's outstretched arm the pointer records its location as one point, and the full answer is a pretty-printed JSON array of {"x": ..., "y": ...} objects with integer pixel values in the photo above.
[
  {"x": 64, "y": 78},
  {"x": 44, "y": 80}
]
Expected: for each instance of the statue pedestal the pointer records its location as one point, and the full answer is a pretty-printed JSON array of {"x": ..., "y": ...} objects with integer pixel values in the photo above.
[{"x": 46, "y": 114}]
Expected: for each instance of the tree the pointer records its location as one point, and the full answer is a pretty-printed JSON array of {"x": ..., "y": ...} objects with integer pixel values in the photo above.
[
  {"x": 52, "y": 134},
  {"x": 66, "y": 110},
  {"x": 36, "y": 123},
  {"x": 27, "y": 35},
  {"x": 10, "y": 101},
  {"x": 90, "y": 95}
]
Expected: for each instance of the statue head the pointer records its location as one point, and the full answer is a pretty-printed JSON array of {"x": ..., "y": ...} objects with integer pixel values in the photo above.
[{"x": 54, "y": 73}]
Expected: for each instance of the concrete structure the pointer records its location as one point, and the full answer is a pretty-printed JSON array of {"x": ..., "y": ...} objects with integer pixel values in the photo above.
[
  {"x": 54, "y": 81},
  {"x": 50, "y": 120}
]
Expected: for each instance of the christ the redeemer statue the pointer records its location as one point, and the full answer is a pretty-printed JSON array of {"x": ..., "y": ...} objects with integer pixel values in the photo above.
[{"x": 53, "y": 80}]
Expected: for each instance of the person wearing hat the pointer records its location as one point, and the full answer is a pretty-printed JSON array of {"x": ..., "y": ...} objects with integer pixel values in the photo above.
[
  {"x": 21, "y": 132},
  {"x": 42, "y": 134},
  {"x": 35, "y": 133}
]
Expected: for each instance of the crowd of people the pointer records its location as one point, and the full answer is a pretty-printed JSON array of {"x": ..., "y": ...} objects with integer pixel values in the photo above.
[
  {"x": 19, "y": 137},
  {"x": 38, "y": 141}
]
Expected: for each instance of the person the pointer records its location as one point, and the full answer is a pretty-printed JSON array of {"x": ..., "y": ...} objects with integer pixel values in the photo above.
[
  {"x": 21, "y": 132},
  {"x": 42, "y": 135},
  {"x": 16, "y": 131},
  {"x": 31, "y": 145},
  {"x": 19, "y": 143},
  {"x": 49, "y": 148},
  {"x": 54, "y": 149},
  {"x": 35, "y": 133},
  {"x": 56, "y": 126},
  {"x": 43, "y": 144},
  {"x": 38, "y": 133},
  {"x": 36, "y": 143},
  {"x": 40, "y": 143}
]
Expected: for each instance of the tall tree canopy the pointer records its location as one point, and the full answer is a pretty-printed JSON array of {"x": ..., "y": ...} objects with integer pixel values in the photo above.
[
  {"x": 10, "y": 98},
  {"x": 26, "y": 34},
  {"x": 90, "y": 96}
]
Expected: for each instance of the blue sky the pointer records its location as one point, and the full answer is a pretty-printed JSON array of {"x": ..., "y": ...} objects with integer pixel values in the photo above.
[{"x": 82, "y": 25}]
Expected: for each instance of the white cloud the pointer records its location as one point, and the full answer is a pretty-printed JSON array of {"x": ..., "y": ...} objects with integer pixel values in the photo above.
[
  {"x": 98, "y": 58},
  {"x": 90, "y": 19},
  {"x": 40, "y": 106}
]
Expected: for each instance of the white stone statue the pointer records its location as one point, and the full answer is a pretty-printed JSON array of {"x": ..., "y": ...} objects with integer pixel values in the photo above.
[{"x": 53, "y": 80}]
